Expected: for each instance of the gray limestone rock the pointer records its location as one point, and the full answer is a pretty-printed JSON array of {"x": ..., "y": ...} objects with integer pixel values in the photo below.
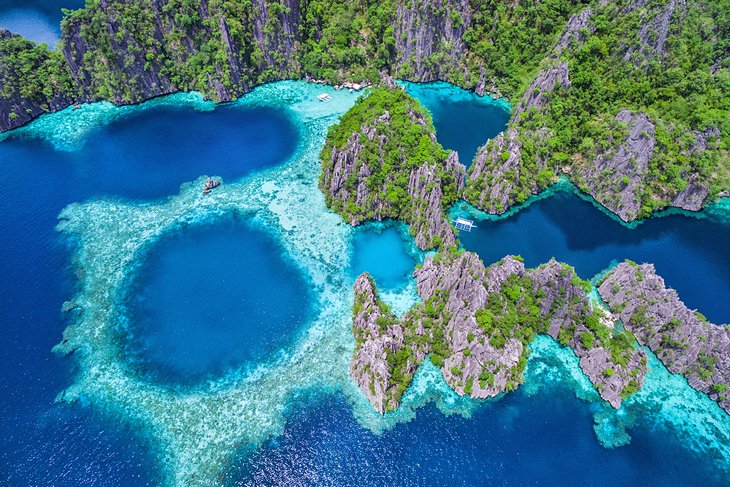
[
  {"x": 537, "y": 94},
  {"x": 369, "y": 366},
  {"x": 652, "y": 35},
  {"x": 617, "y": 175},
  {"x": 344, "y": 180},
  {"x": 477, "y": 358},
  {"x": 683, "y": 340},
  {"x": 495, "y": 180},
  {"x": 573, "y": 35},
  {"x": 427, "y": 28},
  {"x": 17, "y": 110}
]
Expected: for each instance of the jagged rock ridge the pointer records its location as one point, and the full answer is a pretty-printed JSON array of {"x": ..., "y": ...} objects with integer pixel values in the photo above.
[
  {"x": 477, "y": 323},
  {"x": 682, "y": 339},
  {"x": 393, "y": 167}
]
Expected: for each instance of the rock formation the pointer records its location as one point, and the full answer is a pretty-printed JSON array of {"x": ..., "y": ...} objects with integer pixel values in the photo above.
[
  {"x": 21, "y": 102},
  {"x": 653, "y": 33},
  {"x": 429, "y": 38},
  {"x": 575, "y": 30},
  {"x": 379, "y": 335},
  {"x": 375, "y": 175},
  {"x": 682, "y": 339},
  {"x": 537, "y": 94},
  {"x": 476, "y": 323},
  {"x": 615, "y": 177}
]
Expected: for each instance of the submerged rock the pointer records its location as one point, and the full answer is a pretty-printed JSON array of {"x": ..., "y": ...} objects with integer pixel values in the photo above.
[
  {"x": 682, "y": 339},
  {"x": 476, "y": 323}
]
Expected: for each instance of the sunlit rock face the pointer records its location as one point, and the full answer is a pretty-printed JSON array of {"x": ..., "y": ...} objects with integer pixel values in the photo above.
[{"x": 682, "y": 339}]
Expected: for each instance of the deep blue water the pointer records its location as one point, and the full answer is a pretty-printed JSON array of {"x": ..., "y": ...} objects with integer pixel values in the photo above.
[
  {"x": 690, "y": 254},
  {"x": 38, "y": 20},
  {"x": 515, "y": 441},
  {"x": 546, "y": 439},
  {"x": 211, "y": 297},
  {"x": 463, "y": 120},
  {"x": 381, "y": 252},
  {"x": 142, "y": 157}
]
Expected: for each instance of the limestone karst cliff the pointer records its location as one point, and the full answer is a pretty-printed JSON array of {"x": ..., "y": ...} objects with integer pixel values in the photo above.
[
  {"x": 477, "y": 323},
  {"x": 391, "y": 166},
  {"x": 682, "y": 339},
  {"x": 572, "y": 70}
]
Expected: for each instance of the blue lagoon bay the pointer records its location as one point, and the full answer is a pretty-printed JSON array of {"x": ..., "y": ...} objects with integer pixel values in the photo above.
[
  {"x": 36, "y": 20},
  {"x": 245, "y": 296},
  {"x": 464, "y": 121}
]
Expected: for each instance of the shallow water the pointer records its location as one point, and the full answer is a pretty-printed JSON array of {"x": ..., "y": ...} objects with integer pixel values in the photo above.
[
  {"x": 383, "y": 252},
  {"x": 146, "y": 154},
  {"x": 463, "y": 120}
]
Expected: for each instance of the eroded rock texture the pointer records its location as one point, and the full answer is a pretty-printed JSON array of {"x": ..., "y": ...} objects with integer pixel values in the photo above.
[
  {"x": 373, "y": 176},
  {"x": 429, "y": 38},
  {"x": 476, "y": 323},
  {"x": 615, "y": 177},
  {"x": 682, "y": 339}
]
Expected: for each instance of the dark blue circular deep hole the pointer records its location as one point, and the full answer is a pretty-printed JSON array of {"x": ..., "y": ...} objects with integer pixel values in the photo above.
[{"x": 211, "y": 297}]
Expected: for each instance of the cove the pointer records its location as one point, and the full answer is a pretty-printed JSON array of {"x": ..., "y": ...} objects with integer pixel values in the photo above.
[
  {"x": 690, "y": 253},
  {"x": 211, "y": 297},
  {"x": 518, "y": 438},
  {"x": 383, "y": 251},
  {"x": 65, "y": 445},
  {"x": 149, "y": 154},
  {"x": 464, "y": 121},
  {"x": 36, "y": 20}
]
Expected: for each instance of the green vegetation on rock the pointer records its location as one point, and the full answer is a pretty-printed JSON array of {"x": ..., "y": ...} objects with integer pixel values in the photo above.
[
  {"x": 382, "y": 161},
  {"x": 481, "y": 342}
]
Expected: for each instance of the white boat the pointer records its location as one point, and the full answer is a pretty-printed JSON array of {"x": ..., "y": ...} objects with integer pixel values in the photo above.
[
  {"x": 324, "y": 97},
  {"x": 464, "y": 224}
]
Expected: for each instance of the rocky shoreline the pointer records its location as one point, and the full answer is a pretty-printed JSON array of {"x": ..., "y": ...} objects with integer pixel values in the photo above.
[
  {"x": 631, "y": 160},
  {"x": 476, "y": 323},
  {"x": 682, "y": 339},
  {"x": 392, "y": 167}
]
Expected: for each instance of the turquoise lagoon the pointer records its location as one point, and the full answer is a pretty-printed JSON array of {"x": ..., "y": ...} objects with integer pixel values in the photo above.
[
  {"x": 464, "y": 121},
  {"x": 280, "y": 408}
]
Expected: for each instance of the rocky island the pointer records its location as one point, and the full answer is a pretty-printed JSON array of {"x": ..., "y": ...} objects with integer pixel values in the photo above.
[
  {"x": 383, "y": 161},
  {"x": 476, "y": 324},
  {"x": 682, "y": 339}
]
